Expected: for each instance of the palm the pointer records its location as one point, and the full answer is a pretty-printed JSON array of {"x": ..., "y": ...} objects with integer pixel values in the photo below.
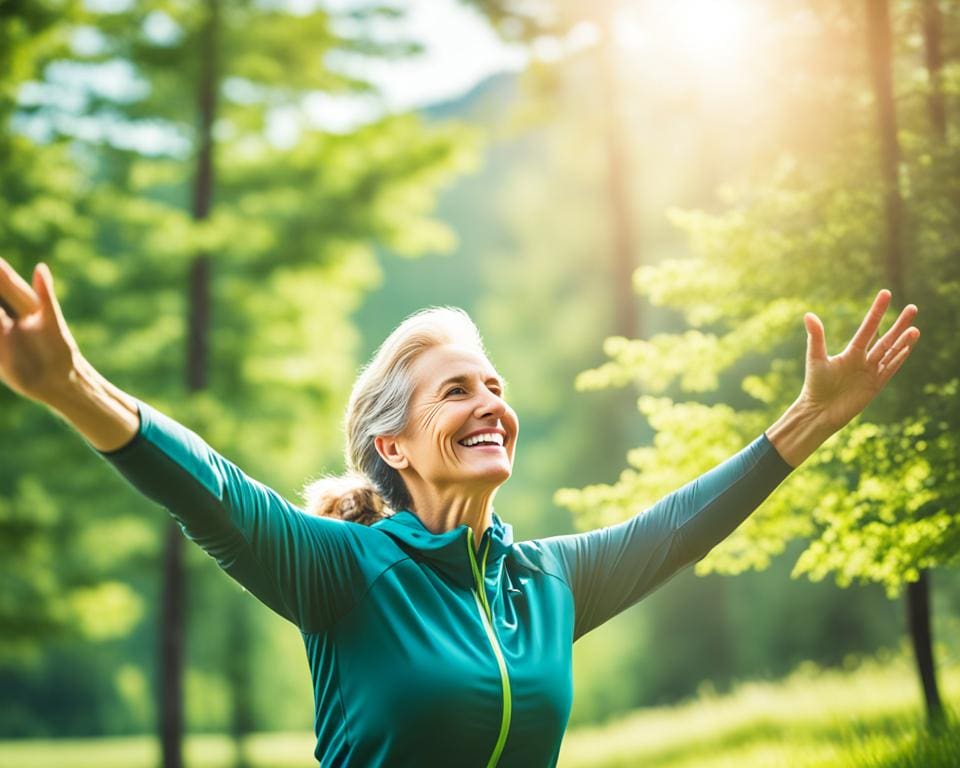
[
  {"x": 36, "y": 347},
  {"x": 841, "y": 386}
]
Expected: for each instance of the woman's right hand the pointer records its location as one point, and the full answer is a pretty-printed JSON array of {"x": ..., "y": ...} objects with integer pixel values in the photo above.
[{"x": 37, "y": 350}]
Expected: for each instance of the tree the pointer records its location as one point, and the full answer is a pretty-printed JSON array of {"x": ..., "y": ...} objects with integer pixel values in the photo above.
[
  {"x": 884, "y": 489},
  {"x": 277, "y": 245},
  {"x": 55, "y": 590}
]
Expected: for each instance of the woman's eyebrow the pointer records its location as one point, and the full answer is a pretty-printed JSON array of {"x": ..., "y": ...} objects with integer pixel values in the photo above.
[{"x": 463, "y": 378}]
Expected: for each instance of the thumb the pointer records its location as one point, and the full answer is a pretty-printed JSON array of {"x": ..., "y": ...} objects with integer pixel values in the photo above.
[
  {"x": 816, "y": 338},
  {"x": 49, "y": 306}
]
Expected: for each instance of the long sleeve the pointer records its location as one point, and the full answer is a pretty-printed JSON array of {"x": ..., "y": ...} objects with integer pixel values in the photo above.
[
  {"x": 610, "y": 569},
  {"x": 305, "y": 568}
]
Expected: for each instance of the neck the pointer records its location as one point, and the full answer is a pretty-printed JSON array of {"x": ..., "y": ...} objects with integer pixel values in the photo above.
[{"x": 442, "y": 511}]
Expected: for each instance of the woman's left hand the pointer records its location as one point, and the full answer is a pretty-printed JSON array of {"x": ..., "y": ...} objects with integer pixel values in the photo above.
[{"x": 838, "y": 387}]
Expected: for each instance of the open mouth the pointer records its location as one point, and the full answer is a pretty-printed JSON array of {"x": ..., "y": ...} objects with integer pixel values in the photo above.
[{"x": 486, "y": 441}]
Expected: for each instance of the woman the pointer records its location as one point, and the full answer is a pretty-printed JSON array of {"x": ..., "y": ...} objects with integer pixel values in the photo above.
[{"x": 433, "y": 637}]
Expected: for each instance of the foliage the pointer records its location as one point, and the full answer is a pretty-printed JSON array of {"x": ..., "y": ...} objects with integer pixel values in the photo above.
[
  {"x": 879, "y": 501},
  {"x": 52, "y": 587},
  {"x": 98, "y": 140},
  {"x": 550, "y": 302}
]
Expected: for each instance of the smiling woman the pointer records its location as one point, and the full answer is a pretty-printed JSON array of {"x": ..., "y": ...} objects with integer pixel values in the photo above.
[
  {"x": 433, "y": 638},
  {"x": 411, "y": 408}
]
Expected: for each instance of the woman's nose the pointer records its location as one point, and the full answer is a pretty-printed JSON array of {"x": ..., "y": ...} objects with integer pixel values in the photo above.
[{"x": 490, "y": 405}]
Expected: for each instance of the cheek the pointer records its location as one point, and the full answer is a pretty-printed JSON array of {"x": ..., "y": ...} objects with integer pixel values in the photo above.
[
  {"x": 427, "y": 417},
  {"x": 514, "y": 422},
  {"x": 427, "y": 431},
  {"x": 513, "y": 428},
  {"x": 445, "y": 424}
]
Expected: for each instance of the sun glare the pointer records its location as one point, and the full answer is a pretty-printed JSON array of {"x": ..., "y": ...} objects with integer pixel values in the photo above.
[
  {"x": 710, "y": 32},
  {"x": 709, "y": 37}
]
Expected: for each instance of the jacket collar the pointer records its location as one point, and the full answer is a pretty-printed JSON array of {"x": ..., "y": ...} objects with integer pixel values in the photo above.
[{"x": 447, "y": 552}]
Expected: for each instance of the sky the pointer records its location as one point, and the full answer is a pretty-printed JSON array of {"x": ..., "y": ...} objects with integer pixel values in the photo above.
[{"x": 460, "y": 50}]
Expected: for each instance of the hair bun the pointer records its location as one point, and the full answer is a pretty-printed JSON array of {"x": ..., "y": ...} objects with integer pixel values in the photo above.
[{"x": 350, "y": 497}]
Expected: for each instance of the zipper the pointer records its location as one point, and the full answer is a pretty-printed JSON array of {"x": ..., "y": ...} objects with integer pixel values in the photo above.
[{"x": 480, "y": 597}]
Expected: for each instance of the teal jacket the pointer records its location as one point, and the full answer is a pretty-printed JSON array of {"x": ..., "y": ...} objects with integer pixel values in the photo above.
[{"x": 433, "y": 649}]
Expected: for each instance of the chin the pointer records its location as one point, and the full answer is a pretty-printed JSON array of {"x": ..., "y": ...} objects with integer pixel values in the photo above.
[
  {"x": 501, "y": 478},
  {"x": 494, "y": 479}
]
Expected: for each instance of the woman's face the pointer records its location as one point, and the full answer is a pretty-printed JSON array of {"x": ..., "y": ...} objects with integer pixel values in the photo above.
[{"x": 458, "y": 395}]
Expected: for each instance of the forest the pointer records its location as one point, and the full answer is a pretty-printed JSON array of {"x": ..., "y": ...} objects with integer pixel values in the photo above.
[{"x": 637, "y": 216}]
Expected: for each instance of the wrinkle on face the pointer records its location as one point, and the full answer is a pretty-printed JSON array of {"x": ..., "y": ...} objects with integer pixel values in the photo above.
[{"x": 426, "y": 421}]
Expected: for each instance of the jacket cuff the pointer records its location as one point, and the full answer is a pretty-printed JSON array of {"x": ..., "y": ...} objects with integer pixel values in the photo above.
[{"x": 772, "y": 458}]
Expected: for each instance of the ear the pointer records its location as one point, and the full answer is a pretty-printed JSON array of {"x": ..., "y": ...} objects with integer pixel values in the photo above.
[{"x": 388, "y": 446}]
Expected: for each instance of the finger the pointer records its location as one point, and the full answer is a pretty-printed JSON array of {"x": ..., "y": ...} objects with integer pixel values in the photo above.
[
  {"x": 894, "y": 365},
  {"x": 868, "y": 328},
  {"x": 43, "y": 282},
  {"x": 883, "y": 345},
  {"x": 816, "y": 338},
  {"x": 18, "y": 297},
  {"x": 907, "y": 338}
]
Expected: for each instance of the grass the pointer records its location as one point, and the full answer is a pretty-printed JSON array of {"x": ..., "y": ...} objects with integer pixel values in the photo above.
[
  {"x": 869, "y": 717},
  {"x": 268, "y": 750},
  {"x": 866, "y": 718}
]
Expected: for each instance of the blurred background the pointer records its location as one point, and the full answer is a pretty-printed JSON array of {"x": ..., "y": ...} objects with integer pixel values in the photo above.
[{"x": 636, "y": 201}]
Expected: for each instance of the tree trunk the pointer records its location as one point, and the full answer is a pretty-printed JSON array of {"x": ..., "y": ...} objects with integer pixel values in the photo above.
[
  {"x": 626, "y": 306},
  {"x": 918, "y": 622},
  {"x": 881, "y": 69},
  {"x": 238, "y": 676},
  {"x": 621, "y": 418},
  {"x": 171, "y": 650},
  {"x": 933, "y": 54},
  {"x": 918, "y": 593},
  {"x": 173, "y": 625},
  {"x": 879, "y": 44}
]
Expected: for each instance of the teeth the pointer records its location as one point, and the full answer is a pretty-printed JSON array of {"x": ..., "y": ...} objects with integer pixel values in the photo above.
[{"x": 487, "y": 437}]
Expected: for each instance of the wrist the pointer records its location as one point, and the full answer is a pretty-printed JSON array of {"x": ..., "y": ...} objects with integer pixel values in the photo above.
[
  {"x": 70, "y": 385},
  {"x": 798, "y": 432},
  {"x": 105, "y": 415}
]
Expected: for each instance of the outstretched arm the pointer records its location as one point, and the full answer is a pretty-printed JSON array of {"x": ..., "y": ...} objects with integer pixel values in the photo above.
[
  {"x": 609, "y": 569},
  {"x": 308, "y": 569},
  {"x": 305, "y": 568}
]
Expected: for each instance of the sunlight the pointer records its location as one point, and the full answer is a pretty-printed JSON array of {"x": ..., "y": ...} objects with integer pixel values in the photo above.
[
  {"x": 710, "y": 33},
  {"x": 708, "y": 37}
]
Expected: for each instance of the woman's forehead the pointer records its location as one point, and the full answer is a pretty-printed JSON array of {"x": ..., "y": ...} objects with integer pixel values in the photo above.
[{"x": 438, "y": 363}]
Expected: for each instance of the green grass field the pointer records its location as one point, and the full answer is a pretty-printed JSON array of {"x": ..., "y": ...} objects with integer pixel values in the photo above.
[{"x": 869, "y": 717}]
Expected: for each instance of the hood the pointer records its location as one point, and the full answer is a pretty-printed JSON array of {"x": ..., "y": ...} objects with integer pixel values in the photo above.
[{"x": 446, "y": 552}]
